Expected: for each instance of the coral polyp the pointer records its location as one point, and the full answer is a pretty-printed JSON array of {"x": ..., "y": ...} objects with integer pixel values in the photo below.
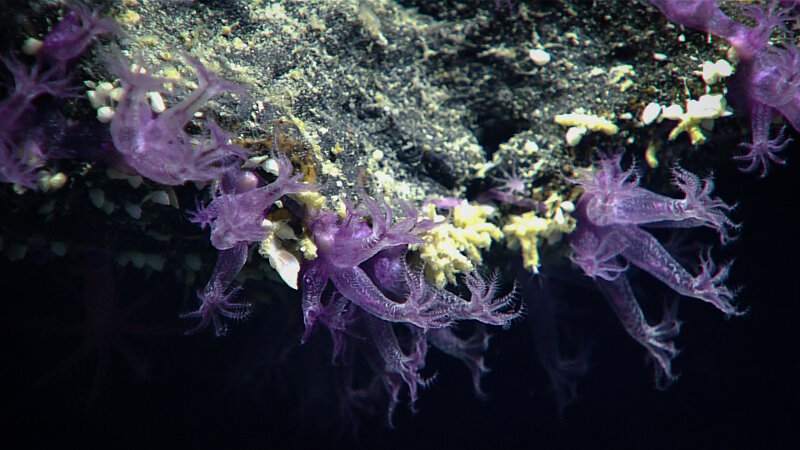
[{"x": 613, "y": 215}]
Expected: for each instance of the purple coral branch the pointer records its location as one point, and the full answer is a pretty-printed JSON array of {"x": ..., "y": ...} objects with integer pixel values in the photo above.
[
  {"x": 156, "y": 145},
  {"x": 236, "y": 212},
  {"x": 216, "y": 299},
  {"x": 768, "y": 76},
  {"x": 470, "y": 351},
  {"x": 762, "y": 151},
  {"x": 73, "y": 34},
  {"x": 598, "y": 257},
  {"x": 610, "y": 213},
  {"x": 656, "y": 339},
  {"x": 399, "y": 367},
  {"x": 363, "y": 256}
]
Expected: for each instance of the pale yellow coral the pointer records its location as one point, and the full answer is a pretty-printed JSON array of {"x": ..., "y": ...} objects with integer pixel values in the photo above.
[
  {"x": 589, "y": 121},
  {"x": 700, "y": 112},
  {"x": 455, "y": 247},
  {"x": 312, "y": 199},
  {"x": 527, "y": 231},
  {"x": 308, "y": 248}
]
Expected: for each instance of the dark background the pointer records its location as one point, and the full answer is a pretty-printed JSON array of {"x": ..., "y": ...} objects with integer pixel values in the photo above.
[{"x": 258, "y": 388}]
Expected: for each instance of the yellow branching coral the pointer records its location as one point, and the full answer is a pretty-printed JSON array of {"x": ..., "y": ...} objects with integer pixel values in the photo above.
[
  {"x": 589, "y": 121},
  {"x": 699, "y": 113},
  {"x": 311, "y": 199},
  {"x": 526, "y": 231},
  {"x": 455, "y": 247}
]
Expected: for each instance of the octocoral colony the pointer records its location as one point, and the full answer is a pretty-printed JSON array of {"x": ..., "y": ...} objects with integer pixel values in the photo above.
[{"x": 384, "y": 285}]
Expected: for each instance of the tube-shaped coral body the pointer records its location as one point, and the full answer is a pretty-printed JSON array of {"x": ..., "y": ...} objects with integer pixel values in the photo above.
[
  {"x": 609, "y": 237},
  {"x": 216, "y": 299},
  {"x": 366, "y": 264},
  {"x": 362, "y": 257},
  {"x": 656, "y": 339},
  {"x": 237, "y": 209},
  {"x": 156, "y": 145},
  {"x": 767, "y": 79}
]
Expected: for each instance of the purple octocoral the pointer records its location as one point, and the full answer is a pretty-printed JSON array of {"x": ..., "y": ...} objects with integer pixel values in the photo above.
[
  {"x": 763, "y": 150},
  {"x": 235, "y": 216},
  {"x": 21, "y": 154},
  {"x": 366, "y": 264},
  {"x": 156, "y": 145},
  {"x": 610, "y": 214},
  {"x": 216, "y": 299},
  {"x": 767, "y": 78},
  {"x": 239, "y": 205},
  {"x": 363, "y": 257},
  {"x": 73, "y": 34},
  {"x": 705, "y": 15},
  {"x": 511, "y": 190},
  {"x": 396, "y": 352},
  {"x": 20, "y": 157}
]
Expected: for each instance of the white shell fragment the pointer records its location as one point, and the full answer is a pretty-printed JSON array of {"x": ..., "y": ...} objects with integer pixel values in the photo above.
[
  {"x": 193, "y": 261},
  {"x": 157, "y": 197},
  {"x": 673, "y": 112},
  {"x": 709, "y": 106},
  {"x": 271, "y": 166},
  {"x": 133, "y": 210},
  {"x": 58, "y": 248},
  {"x": 57, "y": 181},
  {"x": 539, "y": 56},
  {"x": 651, "y": 113},
  {"x": 31, "y": 46},
  {"x": 283, "y": 261},
  {"x": 157, "y": 104},
  {"x": 97, "y": 197},
  {"x": 574, "y": 135},
  {"x": 714, "y": 71},
  {"x": 105, "y": 114}
]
